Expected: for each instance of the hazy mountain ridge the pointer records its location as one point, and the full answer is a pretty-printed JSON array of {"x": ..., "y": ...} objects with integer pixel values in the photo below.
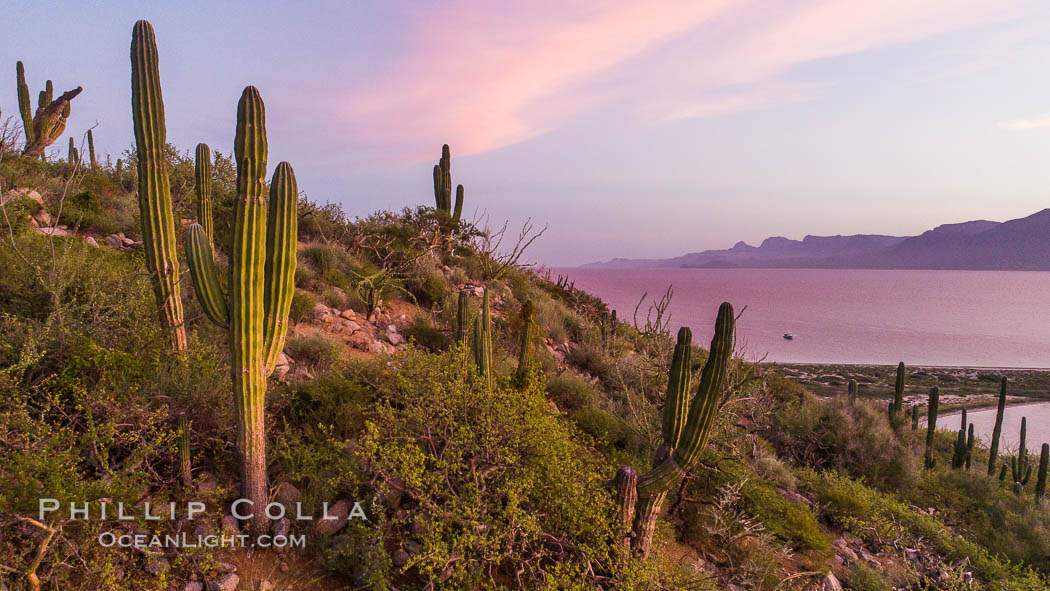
[{"x": 1020, "y": 245}]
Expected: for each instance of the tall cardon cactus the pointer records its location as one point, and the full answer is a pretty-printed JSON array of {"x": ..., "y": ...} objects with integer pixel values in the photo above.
[
  {"x": 1020, "y": 466},
  {"x": 158, "y": 223},
  {"x": 915, "y": 417},
  {"x": 443, "y": 187},
  {"x": 997, "y": 431},
  {"x": 261, "y": 285},
  {"x": 462, "y": 314},
  {"x": 45, "y": 126},
  {"x": 851, "y": 392},
  {"x": 202, "y": 186},
  {"x": 1040, "y": 483},
  {"x": 91, "y": 150},
  {"x": 898, "y": 397},
  {"x": 929, "y": 461},
  {"x": 686, "y": 424},
  {"x": 959, "y": 449}
]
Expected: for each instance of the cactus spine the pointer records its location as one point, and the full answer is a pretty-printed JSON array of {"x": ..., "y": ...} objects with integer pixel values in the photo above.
[
  {"x": 959, "y": 449},
  {"x": 1040, "y": 483},
  {"x": 91, "y": 150},
  {"x": 262, "y": 271},
  {"x": 851, "y": 390},
  {"x": 45, "y": 126},
  {"x": 462, "y": 313},
  {"x": 185, "y": 468},
  {"x": 158, "y": 223},
  {"x": 997, "y": 431},
  {"x": 931, "y": 427},
  {"x": 528, "y": 334},
  {"x": 683, "y": 442},
  {"x": 202, "y": 186}
]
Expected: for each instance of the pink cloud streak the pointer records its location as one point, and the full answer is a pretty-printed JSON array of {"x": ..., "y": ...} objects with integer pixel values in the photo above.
[{"x": 482, "y": 76}]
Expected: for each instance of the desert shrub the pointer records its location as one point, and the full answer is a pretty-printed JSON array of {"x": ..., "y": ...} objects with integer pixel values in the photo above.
[
  {"x": 423, "y": 332},
  {"x": 313, "y": 349},
  {"x": 865, "y": 578},
  {"x": 591, "y": 358},
  {"x": 529, "y": 480},
  {"x": 302, "y": 303},
  {"x": 324, "y": 257},
  {"x": 571, "y": 392},
  {"x": 428, "y": 286}
]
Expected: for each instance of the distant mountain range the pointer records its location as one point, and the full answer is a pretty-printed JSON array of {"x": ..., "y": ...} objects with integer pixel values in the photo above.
[{"x": 1016, "y": 245}]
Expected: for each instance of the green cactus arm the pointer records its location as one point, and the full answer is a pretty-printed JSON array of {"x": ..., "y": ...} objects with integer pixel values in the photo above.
[
  {"x": 206, "y": 282},
  {"x": 158, "y": 223},
  {"x": 72, "y": 151},
  {"x": 25, "y": 105},
  {"x": 282, "y": 231},
  {"x": 438, "y": 190},
  {"x": 1040, "y": 483},
  {"x": 446, "y": 179},
  {"x": 91, "y": 149},
  {"x": 676, "y": 404},
  {"x": 528, "y": 333},
  {"x": 202, "y": 187},
  {"x": 931, "y": 427},
  {"x": 48, "y": 95},
  {"x": 457, "y": 213}
]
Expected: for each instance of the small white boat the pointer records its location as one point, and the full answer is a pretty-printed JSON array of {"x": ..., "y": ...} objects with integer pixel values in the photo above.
[{"x": 788, "y": 336}]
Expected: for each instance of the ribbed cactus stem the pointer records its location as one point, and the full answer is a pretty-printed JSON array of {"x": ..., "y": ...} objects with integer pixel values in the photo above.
[
  {"x": 202, "y": 186},
  {"x": 1022, "y": 450},
  {"x": 970, "y": 442},
  {"x": 997, "y": 431},
  {"x": 959, "y": 448},
  {"x": 915, "y": 417},
  {"x": 851, "y": 392},
  {"x": 282, "y": 230},
  {"x": 185, "y": 467},
  {"x": 91, "y": 150},
  {"x": 603, "y": 326},
  {"x": 528, "y": 334},
  {"x": 462, "y": 314},
  {"x": 206, "y": 283},
  {"x": 25, "y": 105},
  {"x": 671, "y": 466},
  {"x": 486, "y": 333},
  {"x": 625, "y": 493},
  {"x": 158, "y": 223},
  {"x": 676, "y": 404},
  {"x": 1040, "y": 483},
  {"x": 72, "y": 151},
  {"x": 1018, "y": 489},
  {"x": 929, "y": 461}
]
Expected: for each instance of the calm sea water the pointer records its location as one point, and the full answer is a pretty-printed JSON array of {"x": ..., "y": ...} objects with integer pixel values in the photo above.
[{"x": 944, "y": 318}]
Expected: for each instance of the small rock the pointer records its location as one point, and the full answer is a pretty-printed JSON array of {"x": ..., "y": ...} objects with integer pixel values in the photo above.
[
  {"x": 114, "y": 241},
  {"x": 265, "y": 585},
  {"x": 399, "y": 558},
  {"x": 287, "y": 495},
  {"x": 349, "y": 314},
  {"x": 225, "y": 567},
  {"x": 42, "y": 217},
  {"x": 207, "y": 483},
  {"x": 128, "y": 241},
  {"x": 320, "y": 311},
  {"x": 394, "y": 338},
  {"x": 227, "y": 582},
  {"x": 351, "y": 326},
  {"x": 337, "y": 515},
  {"x": 193, "y": 586},
  {"x": 53, "y": 231},
  {"x": 831, "y": 583},
  {"x": 90, "y": 241},
  {"x": 378, "y": 348}
]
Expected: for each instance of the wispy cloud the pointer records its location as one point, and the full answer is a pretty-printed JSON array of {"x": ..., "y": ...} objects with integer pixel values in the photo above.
[
  {"x": 481, "y": 76},
  {"x": 1034, "y": 123}
]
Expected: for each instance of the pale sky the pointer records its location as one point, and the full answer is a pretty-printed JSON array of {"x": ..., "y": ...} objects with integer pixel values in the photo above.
[{"x": 635, "y": 129}]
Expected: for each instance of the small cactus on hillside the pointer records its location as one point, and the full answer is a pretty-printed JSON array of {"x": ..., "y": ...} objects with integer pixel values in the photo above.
[
  {"x": 897, "y": 407},
  {"x": 915, "y": 417},
  {"x": 91, "y": 150},
  {"x": 462, "y": 314},
  {"x": 185, "y": 468},
  {"x": 959, "y": 448},
  {"x": 851, "y": 392},
  {"x": 528, "y": 334},
  {"x": 483, "y": 342},
  {"x": 971, "y": 441},
  {"x": 929, "y": 461},
  {"x": 1040, "y": 483},
  {"x": 443, "y": 187},
  {"x": 72, "y": 151},
  {"x": 993, "y": 451},
  {"x": 1020, "y": 466}
]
